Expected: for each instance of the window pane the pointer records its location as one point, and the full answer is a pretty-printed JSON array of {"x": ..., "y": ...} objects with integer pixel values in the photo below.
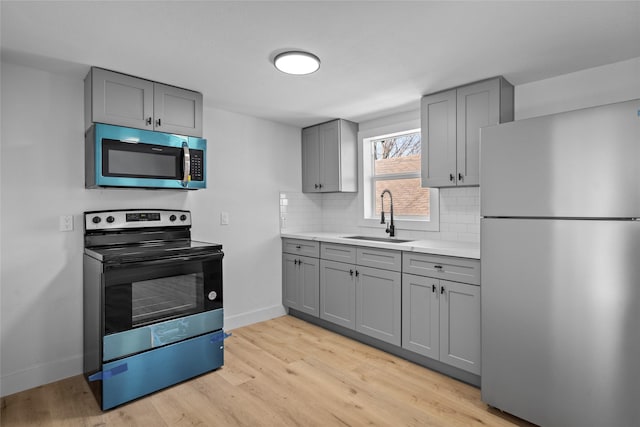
[
  {"x": 409, "y": 198},
  {"x": 399, "y": 154}
]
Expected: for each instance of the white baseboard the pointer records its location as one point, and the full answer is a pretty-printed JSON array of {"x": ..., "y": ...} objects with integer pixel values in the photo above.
[
  {"x": 38, "y": 375},
  {"x": 244, "y": 319}
]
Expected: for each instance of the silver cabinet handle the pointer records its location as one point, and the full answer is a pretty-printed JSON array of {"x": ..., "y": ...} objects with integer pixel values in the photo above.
[{"x": 187, "y": 163}]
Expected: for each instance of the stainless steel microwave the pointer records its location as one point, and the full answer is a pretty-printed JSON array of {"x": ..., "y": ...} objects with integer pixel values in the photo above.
[{"x": 117, "y": 156}]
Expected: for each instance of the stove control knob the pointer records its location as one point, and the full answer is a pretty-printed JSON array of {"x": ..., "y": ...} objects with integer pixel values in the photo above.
[
  {"x": 110, "y": 219},
  {"x": 96, "y": 219},
  {"x": 172, "y": 218},
  {"x": 212, "y": 295},
  {"x": 183, "y": 217}
]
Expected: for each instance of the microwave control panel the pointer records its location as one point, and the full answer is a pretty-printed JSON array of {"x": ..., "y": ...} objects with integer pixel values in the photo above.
[{"x": 197, "y": 165}]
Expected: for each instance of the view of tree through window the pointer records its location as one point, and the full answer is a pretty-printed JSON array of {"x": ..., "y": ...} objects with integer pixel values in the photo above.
[{"x": 396, "y": 167}]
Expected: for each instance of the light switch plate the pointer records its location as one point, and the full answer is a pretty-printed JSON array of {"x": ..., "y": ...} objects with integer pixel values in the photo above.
[{"x": 224, "y": 218}]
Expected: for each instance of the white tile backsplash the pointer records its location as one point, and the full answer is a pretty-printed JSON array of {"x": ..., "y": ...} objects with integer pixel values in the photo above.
[{"x": 338, "y": 213}]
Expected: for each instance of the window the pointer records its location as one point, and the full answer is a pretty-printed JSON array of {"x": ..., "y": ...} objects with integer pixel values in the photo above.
[
  {"x": 396, "y": 167},
  {"x": 390, "y": 158}
]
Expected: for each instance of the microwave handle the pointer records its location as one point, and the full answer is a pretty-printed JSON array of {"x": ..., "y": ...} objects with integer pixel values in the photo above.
[{"x": 187, "y": 164}]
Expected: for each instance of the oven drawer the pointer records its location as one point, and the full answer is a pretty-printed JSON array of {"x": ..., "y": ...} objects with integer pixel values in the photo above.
[
  {"x": 132, "y": 377},
  {"x": 160, "y": 334}
]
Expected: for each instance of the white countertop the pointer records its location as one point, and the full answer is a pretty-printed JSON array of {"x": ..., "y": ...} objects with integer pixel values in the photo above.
[{"x": 436, "y": 247}]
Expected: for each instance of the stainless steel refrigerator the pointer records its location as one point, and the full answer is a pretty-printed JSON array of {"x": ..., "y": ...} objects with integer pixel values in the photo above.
[{"x": 560, "y": 267}]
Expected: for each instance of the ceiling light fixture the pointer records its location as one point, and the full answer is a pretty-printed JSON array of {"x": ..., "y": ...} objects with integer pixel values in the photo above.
[{"x": 296, "y": 62}]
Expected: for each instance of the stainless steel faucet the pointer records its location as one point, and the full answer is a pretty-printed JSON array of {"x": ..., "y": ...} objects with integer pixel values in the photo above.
[{"x": 391, "y": 229}]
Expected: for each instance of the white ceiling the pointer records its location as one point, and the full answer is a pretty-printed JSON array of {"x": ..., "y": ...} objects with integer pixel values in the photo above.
[{"x": 377, "y": 58}]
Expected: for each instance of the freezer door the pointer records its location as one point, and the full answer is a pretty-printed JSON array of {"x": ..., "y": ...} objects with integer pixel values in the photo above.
[
  {"x": 583, "y": 163},
  {"x": 561, "y": 320}
]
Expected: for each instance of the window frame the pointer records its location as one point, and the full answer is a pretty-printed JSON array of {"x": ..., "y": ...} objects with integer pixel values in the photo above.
[{"x": 367, "y": 182}]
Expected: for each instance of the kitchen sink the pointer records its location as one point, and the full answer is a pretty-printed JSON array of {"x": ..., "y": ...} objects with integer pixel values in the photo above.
[{"x": 378, "y": 239}]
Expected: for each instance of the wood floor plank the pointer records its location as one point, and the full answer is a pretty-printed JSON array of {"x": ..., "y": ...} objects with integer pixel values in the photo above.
[{"x": 282, "y": 372}]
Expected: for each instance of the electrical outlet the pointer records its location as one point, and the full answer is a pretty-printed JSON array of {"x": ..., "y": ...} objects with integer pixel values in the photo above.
[
  {"x": 66, "y": 223},
  {"x": 224, "y": 218}
]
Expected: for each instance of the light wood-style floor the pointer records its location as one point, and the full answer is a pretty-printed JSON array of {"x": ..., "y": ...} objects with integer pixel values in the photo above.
[{"x": 282, "y": 372}]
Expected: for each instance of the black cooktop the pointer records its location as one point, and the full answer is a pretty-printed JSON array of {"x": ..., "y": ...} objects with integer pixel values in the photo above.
[{"x": 152, "y": 250}]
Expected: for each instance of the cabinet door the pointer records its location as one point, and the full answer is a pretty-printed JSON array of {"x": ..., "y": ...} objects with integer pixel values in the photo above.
[
  {"x": 460, "y": 325},
  {"x": 478, "y": 106},
  {"x": 330, "y": 177},
  {"x": 338, "y": 293},
  {"x": 119, "y": 99},
  {"x": 177, "y": 110},
  {"x": 378, "y": 303},
  {"x": 421, "y": 315},
  {"x": 290, "y": 281},
  {"x": 311, "y": 159},
  {"x": 309, "y": 274},
  {"x": 438, "y": 123}
]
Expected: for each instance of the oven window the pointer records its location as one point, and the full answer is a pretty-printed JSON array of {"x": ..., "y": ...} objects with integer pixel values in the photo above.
[
  {"x": 140, "y": 294},
  {"x": 165, "y": 298}
]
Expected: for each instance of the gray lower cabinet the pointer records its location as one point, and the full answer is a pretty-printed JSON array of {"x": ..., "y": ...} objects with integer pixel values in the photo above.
[
  {"x": 378, "y": 304},
  {"x": 359, "y": 295},
  {"x": 338, "y": 293},
  {"x": 441, "y": 318},
  {"x": 427, "y": 304},
  {"x": 301, "y": 277}
]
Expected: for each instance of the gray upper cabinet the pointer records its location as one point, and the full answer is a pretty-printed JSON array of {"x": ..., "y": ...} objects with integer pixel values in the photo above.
[
  {"x": 329, "y": 157},
  {"x": 451, "y": 122},
  {"x": 177, "y": 110},
  {"x": 123, "y": 100},
  {"x": 438, "y": 123}
]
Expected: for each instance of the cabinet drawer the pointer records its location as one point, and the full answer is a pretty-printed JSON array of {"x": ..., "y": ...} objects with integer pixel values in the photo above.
[
  {"x": 337, "y": 252},
  {"x": 442, "y": 267},
  {"x": 379, "y": 258},
  {"x": 301, "y": 247}
]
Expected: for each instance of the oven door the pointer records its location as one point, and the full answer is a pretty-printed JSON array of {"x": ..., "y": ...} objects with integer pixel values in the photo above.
[{"x": 153, "y": 303}]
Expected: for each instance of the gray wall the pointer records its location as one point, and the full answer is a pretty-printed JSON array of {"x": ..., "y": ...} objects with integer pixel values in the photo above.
[{"x": 42, "y": 177}]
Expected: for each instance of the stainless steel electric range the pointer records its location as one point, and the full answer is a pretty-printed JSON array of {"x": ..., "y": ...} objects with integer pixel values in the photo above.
[{"x": 153, "y": 312}]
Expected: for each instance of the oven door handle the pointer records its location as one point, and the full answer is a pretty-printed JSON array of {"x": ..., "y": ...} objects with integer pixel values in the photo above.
[{"x": 164, "y": 261}]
